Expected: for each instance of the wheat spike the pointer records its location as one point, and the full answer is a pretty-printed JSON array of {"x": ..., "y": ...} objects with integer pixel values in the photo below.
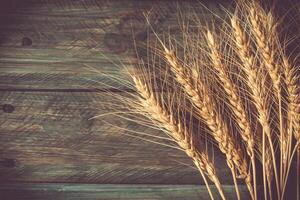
[
  {"x": 293, "y": 98},
  {"x": 293, "y": 93},
  {"x": 232, "y": 93},
  {"x": 255, "y": 82},
  {"x": 258, "y": 27},
  {"x": 253, "y": 76},
  {"x": 206, "y": 108},
  {"x": 177, "y": 131},
  {"x": 234, "y": 100},
  {"x": 267, "y": 41}
]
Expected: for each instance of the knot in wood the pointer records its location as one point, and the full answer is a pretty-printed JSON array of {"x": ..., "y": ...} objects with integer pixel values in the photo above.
[
  {"x": 116, "y": 43},
  {"x": 8, "y": 108},
  {"x": 26, "y": 41}
]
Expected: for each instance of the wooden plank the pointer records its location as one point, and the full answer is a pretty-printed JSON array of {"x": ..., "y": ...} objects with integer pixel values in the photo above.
[
  {"x": 21, "y": 191},
  {"x": 48, "y": 137},
  {"x": 60, "y": 76},
  {"x": 46, "y": 44}
]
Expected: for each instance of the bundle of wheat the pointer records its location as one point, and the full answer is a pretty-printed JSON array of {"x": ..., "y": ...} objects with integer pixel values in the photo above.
[{"x": 240, "y": 83}]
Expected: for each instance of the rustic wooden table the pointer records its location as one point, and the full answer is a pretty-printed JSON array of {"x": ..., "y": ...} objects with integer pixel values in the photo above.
[{"x": 49, "y": 149}]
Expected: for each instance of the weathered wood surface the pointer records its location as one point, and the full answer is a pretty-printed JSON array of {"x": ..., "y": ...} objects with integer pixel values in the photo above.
[
  {"x": 48, "y": 137},
  {"x": 47, "y": 44},
  {"x": 108, "y": 192}
]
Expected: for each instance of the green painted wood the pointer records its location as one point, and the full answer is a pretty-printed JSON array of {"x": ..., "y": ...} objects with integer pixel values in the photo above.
[
  {"x": 48, "y": 137},
  {"x": 22, "y": 191}
]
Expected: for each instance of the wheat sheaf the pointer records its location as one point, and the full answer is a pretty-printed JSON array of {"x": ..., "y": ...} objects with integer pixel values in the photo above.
[{"x": 240, "y": 83}]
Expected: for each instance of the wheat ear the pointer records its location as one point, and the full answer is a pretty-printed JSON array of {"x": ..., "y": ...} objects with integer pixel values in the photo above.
[
  {"x": 206, "y": 109},
  {"x": 293, "y": 91},
  {"x": 234, "y": 100},
  {"x": 177, "y": 131},
  {"x": 258, "y": 27},
  {"x": 293, "y": 111},
  {"x": 263, "y": 27},
  {"x": 257, "y": 91}
]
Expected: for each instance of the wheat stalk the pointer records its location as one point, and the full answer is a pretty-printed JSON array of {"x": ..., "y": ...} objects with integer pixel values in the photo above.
[
  {"x": 234, "y": 100},
  {"x": 255, "y": 83},
  {"x": 177, "y": 131},
  {"x": 263, "y": 29},
  {"x": 292, "y": 92},
  {"x": 206, "y": 108},
  {"x": 293, "y": 111}
]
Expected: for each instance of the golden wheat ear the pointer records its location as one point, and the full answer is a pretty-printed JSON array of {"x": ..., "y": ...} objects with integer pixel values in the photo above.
[
  {"x": 293, "y": 92},
  {"x": 255, "y": 82},
  {"x": 262, "y": 28},
  {"x": 233, "y": 97},
  {"x": 177, "y": 130},
  {"x": 199, "y": 96}
]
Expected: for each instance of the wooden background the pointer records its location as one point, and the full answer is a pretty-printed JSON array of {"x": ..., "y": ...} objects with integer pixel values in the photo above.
[{"x": 49, "y": 149}]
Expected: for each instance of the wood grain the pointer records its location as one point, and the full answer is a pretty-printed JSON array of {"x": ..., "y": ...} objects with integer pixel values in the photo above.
[
  {"x": 48, "y": 137},
  {"x": 47, "y": 44},
  {"x": 101, "y": 192}
]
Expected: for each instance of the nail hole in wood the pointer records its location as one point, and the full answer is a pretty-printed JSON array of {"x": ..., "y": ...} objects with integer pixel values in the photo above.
[
  {"x": 8, "y": 108},
  {"x": 26, "y": 41},
  {"x": 8, "y": 162}
]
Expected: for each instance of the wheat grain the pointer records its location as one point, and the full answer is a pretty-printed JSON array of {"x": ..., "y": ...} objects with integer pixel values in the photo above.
[
  {"x": 232, "y": 92},
  {"x": 177, "y": 131},
  {"x": 206, "y": 109},
  {"x": 293, "y": 92},
  {"x": 254, "y": 79},
  {"x": 233, "y": 98},
  {"x": 258, "y": 26},
  {"x": 256, "y": 84}
]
